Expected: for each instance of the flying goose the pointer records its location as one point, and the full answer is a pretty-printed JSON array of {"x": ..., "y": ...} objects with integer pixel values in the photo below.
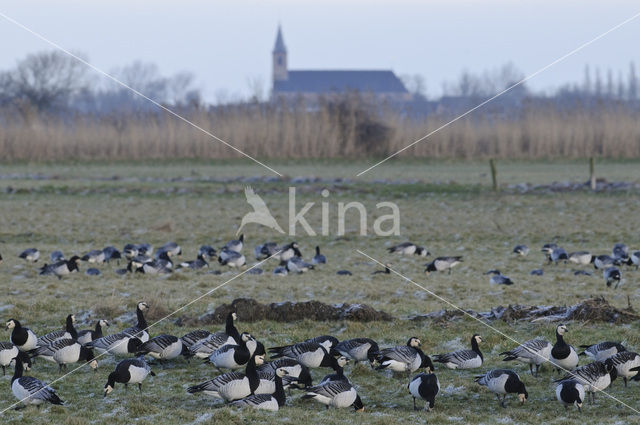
[
  {"x": 521, "y": 250},
  {"x": 339, "y": 394},
  {"x": 425, "y": 386},
  {"x": 68, "y": 332},
  {"x": 87, "y": 335},
  {"x": 232, "y": 356},
  {"x": 534, "y": 352},
  {"x": 271, "y": 402},
  {"x": 29, "y": 390},
  {"x": 595, "y": 376},
  {"x": 602, "y": 350},
  {"x": 463, "y": 359},
  {"x": 128, "y": 371},
  {"x": 232, "y": 385},
  {"x": 570, "y": 393},
  {"x": 319, "y": 258},
  {"x": 140, "y": 329},
  {"x": 563, "y": 355},
  {"x": 30, "y": 254},
  {"x": 404, "y": 358},
  {"x": 441, "y": 264},
  {"x": 359, "y": 350},
  {"x": 162, "y": 347},
  {"x": 23, "y": 338},
  {"x": 611, "y": 275},
  {"x": 627, "y": 364},
  {"x": 503, "y": 381}
]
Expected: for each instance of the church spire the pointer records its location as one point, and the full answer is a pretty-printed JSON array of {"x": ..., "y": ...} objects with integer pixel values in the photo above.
[
  {"x": 279, "y": 46},
  {"x": 279, "y": 56}
]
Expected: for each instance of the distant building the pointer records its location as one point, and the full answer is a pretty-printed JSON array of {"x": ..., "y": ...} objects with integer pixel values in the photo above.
[{"x": 311, "y": 84}]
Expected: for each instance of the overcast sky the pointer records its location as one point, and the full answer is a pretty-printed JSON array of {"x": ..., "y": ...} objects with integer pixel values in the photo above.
[{"x": 226, "y": 44}]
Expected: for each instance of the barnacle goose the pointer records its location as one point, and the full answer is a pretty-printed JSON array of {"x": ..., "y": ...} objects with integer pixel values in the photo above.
[
  {"x": 310, "y": 354},
  {"x": 405, "y": 248},
  {"x": 23, "y": 338},
  {"x": 29, "y": 390},
  {"x": 602, "y": 261},
  {"x": 441, "y": 264},
  {"x": 521, "y": 250},
  {"x": 30, "y": 254},
  {"x": 595, "y": 376},
  {"x": 203, "y": 347},
  {"x": 602, "y": 350},
  {"x": 207, "y": 252},
  {"x": 359, "y": 350},
  {"x": 128, "y": 371},
  {"x": 162, "y": 347},
  {"x": 287, "y": 252},
  {"x": 570, "y": 393},
  {"x": 503, "y": 381},
  {"x": 235, "y": 245},
  {"x": 319, "y": 258},
  {"x": 563, "y": 355},
  {"x": 404, "y": 358},
  {"x": 611, "y": 275},
  {"x": 327, "y": 341},
  {"x": 171, "y": 248},
  {"x": 87, "y": 335},
  {"x": 117, "y": 344},
  {"x": 271, "y": 402},
  {"x": 61, "y": 268},
  {"x": 8, "y": 351},
  {"x": 338, "y": 394},
  {"x": 338, "y": 367},
  {"x": 558, "y": 254},
  {"x": 68, "y": 332},
  {"x": 198, "y": 263},
  {"x": 231, "y": 258},
  {"x": 145, "y": 265},
  {"x": 534, "y": 352},
  {"x": 232, "y": 356},
  {"x": 280, "y": 271},
  {"x": 635, "y": 259},
  {"x": 144, "y": 249},
  {"x": 626, "y": 364},
  {"x": 56, "y": 256},
  {"x": 386, "y": 270},
  {"x": 129, "y": 251},
  {"x": 265, "y": 250},
  {"x": 66, "y": 350},
  {"x": 548, "y": 248},
  {"x": 583, "y": 258},
  {"x": 294, "y": 368},
  {"x": 463, "y": 359},
  {"x": 425, "y": 386},
  {"x": 140, "y": 329},
  {"x": 111, "y": 253},
  {"x": 298, "y": 265},
  {"x": 620, "y": 252},
  {"x": 95, "y": 256},
  {"x": 498, "y": 278},
  {"x": 194, "y": 337},
  {"x": 232, "y": 385}
]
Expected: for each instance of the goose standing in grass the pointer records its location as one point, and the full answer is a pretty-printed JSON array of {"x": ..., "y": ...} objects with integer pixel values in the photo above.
[
  {"x": 359, "y": 350},
  {"x": 207, "y": 252},
  {"x": 171, "y": 248},
  {"x": 272, "y": 402},
  {"x": 68, "y": 332},
  {"x": 30, "y": 254},
  {"x": 583, "y": 258},
  {"x": 61, "y": 268},
  {"x": 56, "y": 256},
  {"x": 602, "y": 350},
  {"x": 521, "y": 250},
  {"x": 198, "y": 263},
  {"x": 146, "y": 249},
  {"x": 232, "y": 356},
  {"x": 570, "y": 393},
  {"x": 65, "y": 351},
  {"x": 203, "y": 347},
  {"x": 280, "y": 271},
  {"x": 231, "y": 258},
  {"x": 441, "y": 264},
  {"x": 602, "y": 262},
  {"x": 29, "y": 390},
  {"x": 626, "y": 364},
  {"x": 287, "y": 252},
  {"x": 235, "y": 244},
  {"x": 558, "y": 254},
  {"x": 425, "y": 386},
  {"x": 95, "y": 256},
  {"x": 548, "y": 248},
  {"x": 463, "y": 359},
  {"x": 594, "y": 377},
  {"x": 111, "y": 253},
  {"x": 503, "y": 381},
  {"x": 612, "y": 275},
  {"x": 338, "y": 368},
  {"x": 265, "y": 250},
  {"x": 162, "y": 347},
  {"x": 498, "y": 278},
  {"x": 310, "y": 354},
  {"x": 232, "y": 385},
  {"x": 634, "y": 259},
  {"x": 129, "y": 251},
  {"x": 193, "y": 337},
  {"x": 327, "y": 341},
  {"x": 563, "y": 355},
  {"x": 295, "y": 370},
  {"x": 129, "y": 371},
  {"x": 8, "y": 352},
  {"x": 405, "y": 248},
  {"x": 404, "y": 358},
  {"x": 87, "y": 335},
  {"x": 23, "y": 338},
  {"x": 534, "y": 352},
  {"x": 339, "y": 394},
  {"x": 620, "y": 252},
  {"x": 120, "y": 344},
  {"x": 319, "y": 258},
  {"x": 298, "y": 265},
  {"x": 140, "y": 329}
]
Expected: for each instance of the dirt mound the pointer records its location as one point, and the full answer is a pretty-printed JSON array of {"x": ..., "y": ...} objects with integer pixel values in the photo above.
[
  {"x": 592, "y": 310},
  {"x": 250, "y": 310}
]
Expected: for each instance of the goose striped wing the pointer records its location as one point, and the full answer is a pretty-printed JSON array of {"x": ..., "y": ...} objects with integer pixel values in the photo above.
[
  {"x": 38, "y": 389},
  {"x": 529, "y": 349},
  {"x": 213, "y": 385},
  {"x": 194, "y": 336},
  {"x": 493, "y": 374},
  {"x": 586, "y": 374},
  {"x": 401, "y": 353},
  {"x": 5, "y": 345},
  {"x": 211, "y": 343},
  {"x": 330, "y": 388},
  {"x": 253, "y": 400},
  {"x": 296, "y": 350},
  {"x": 624, "y": 357},
  {"x": 50, "y": 350},
  {"x": 106, "y": 341},
  {"x": 463, "y": 358},
  {"x": 133, "y": 332},
  {"x": 52, "y": 336},
  {"x": 158, "y": 343}
]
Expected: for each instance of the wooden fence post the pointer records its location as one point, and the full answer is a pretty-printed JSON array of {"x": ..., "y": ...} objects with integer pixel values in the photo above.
[
  {"x": 592, "y": 173},
  {"x": 494, "y": 174}
]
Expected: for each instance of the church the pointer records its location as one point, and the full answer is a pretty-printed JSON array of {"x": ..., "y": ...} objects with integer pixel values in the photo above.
[{"x": 311, "y": 84}]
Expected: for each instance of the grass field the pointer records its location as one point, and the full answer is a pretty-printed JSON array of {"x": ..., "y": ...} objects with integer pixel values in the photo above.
[{"x": 448, "y": 207}]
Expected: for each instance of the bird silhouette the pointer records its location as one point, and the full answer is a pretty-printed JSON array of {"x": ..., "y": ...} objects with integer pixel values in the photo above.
[{"x": 260, "y": 214}]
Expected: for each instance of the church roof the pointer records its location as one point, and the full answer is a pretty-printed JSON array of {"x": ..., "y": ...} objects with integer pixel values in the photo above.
[
  {"x": 382, "y": 81},
  {"x": 279, "y": 47}
]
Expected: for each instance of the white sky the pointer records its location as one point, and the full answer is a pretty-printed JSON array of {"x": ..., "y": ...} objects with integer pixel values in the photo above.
[{"x": 228, "y": 43}]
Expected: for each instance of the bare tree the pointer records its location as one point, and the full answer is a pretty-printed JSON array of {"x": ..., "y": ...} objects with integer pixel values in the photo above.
[{"x": 633, "y": 82}]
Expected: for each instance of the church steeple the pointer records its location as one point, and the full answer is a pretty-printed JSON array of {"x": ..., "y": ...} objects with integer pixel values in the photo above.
[{"x": 279, "y": 53}]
